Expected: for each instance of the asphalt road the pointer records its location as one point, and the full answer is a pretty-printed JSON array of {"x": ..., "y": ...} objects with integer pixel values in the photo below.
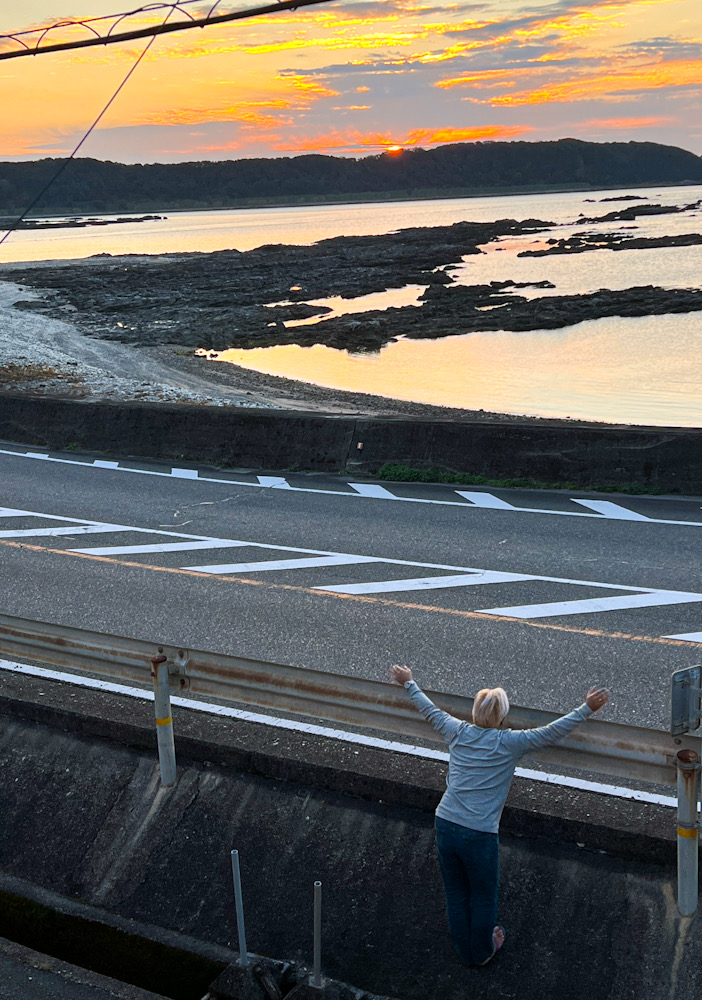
[{"x": 544, "y": 593}]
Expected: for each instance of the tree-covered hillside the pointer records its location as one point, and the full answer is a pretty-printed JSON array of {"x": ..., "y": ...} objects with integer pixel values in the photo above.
[{"x": 95, "y": 186}]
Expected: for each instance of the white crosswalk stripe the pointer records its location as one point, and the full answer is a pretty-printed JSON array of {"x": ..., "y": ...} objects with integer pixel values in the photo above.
[
  {"x": 284, "y": 564},
  {"x": 650, "y": 599},
  {"x": 426, "y": 583},
  {"x": 612, "y": 511}
]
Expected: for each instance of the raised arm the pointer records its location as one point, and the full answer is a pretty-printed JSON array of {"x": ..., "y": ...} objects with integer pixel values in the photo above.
[
  {"x": 446, "y": 725},
  {"x": 523, "y": 741}
]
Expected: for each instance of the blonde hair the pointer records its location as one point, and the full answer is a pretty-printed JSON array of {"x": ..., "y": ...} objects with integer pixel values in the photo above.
[{"x": 490, "y": 708}]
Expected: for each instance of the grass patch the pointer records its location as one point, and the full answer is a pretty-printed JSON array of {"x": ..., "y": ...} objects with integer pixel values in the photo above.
[
  {"x": 14, "y": 374},
  {"x": 408, "y": 474}
]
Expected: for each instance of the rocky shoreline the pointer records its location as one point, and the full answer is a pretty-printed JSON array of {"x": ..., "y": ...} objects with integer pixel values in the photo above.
[
  {"x": 74, "y": 222},
  {"x": 233, "y": 299}
]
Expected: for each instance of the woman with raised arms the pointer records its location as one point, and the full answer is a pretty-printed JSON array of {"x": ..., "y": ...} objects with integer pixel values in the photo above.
[{"x": 482, "y": 758}]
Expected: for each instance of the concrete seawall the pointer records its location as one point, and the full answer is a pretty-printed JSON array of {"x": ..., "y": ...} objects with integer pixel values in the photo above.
[
  {"x": 669, "y": 459},
  {"x": 82, "y": 816}
]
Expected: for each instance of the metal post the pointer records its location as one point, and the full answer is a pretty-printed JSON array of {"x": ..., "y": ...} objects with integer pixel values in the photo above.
[
  {"x": 164, "y": 720},
  {"x": 688, "y": 831},
  {"x": 236, "y": 874},
  {"x": 317, "y": 973}
]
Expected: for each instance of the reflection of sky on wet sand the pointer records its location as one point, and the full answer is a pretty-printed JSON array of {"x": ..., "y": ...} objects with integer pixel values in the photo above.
[{"x": 643, "y": 371}]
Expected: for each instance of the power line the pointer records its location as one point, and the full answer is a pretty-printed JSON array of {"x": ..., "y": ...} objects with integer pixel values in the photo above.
[
  {"x": 111, "y": 37},
  {"x": 64, "y": 163}
]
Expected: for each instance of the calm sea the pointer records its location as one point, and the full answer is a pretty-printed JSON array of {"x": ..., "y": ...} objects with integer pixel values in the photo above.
[{"x": 646, "y": 370}]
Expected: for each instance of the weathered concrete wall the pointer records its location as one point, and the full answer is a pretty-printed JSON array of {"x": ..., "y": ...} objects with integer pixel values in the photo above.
[
  {"x": 669, "y": 459},
  {"x": 87, "y": 819}
]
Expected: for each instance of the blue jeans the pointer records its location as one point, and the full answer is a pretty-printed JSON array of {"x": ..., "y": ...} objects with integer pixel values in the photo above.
[{"x": 470, "y": 865}]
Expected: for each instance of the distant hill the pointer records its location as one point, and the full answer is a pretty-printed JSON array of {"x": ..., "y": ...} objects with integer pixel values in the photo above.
[{"x": 459, "y": 169}]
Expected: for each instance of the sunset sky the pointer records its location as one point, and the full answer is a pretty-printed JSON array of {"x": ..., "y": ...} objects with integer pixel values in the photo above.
[{"x": 354, "y": 77}]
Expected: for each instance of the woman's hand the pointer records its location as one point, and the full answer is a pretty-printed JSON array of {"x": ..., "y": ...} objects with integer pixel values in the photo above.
[
  {"x": 597, "y": 698},
  {"x": 400, "y": 675}
]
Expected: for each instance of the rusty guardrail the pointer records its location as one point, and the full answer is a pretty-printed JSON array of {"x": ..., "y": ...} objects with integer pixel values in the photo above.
[{"x": 605, "y": 747}]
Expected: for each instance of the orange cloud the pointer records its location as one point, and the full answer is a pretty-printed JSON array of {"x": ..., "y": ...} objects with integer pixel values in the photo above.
[
  {"x": 310, "y": 89},
  {"x": 434, "y": 137},
  {"x": 354, "y": 141},
  {"x": 610, "y": 86},
  {"x": 241, "y": 111}
]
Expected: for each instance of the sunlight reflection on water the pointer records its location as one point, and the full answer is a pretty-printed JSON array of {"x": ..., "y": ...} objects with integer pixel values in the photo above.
[{"x": 643, "y": 371}]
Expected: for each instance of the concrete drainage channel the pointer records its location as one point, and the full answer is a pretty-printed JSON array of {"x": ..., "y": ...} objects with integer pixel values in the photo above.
[
  {"x": 83, "y": 939},
  {"x": 166, "y": 964}
]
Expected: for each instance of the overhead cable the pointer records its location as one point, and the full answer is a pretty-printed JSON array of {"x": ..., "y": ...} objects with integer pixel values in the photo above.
[
  {"x": 64, "y": 163},
  {"x": 112, "y": 37}
]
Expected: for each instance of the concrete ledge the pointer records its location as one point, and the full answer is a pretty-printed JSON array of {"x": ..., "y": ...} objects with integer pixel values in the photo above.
[
  {"x": 666, "y": 458},
  {"x": 555, "y": 814}
]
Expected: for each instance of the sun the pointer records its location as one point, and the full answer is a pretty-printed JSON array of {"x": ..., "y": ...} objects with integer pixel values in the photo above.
[{"x": 394, "y": 149}]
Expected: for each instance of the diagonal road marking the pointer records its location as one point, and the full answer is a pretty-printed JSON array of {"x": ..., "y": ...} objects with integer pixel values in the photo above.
[
  {"x": 14, "y": 512},
  {"x": 283, "y": 564},
  {"x": 650, "y": 599},
  {"x": 433, "y": 609},
  {"x": 612, "y": 511},
  {"x": 274, "y": 482},
  {"x": 277, "y": 482},
  {"x": 486, "y": 500},
  {"x": 128, "y": 550},
  {"x": 687, "y": 636},
  {"x": 426, "y": 583},
  {"x": 74, "y": 529},
  {"x": 372, "y": 491}
]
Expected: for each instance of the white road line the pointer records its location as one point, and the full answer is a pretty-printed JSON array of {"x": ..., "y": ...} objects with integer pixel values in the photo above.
[
  {"x": 613, "y": 511},
  {"x": 13, "y": 512},
  {"x": 372, "y": 491},
  {"x": 100, "y": 463},
  {"x": 651, "y": 599},
  {"x": 342, "y": 735},
  {"x": 126, "y": 550},
  {"x": 185, "y": 473},
  {"x": 278, "y": 483},
  {"x": 283, "y": 564},
  {"x": 486, "y": 500},
  {"x": 688, "y": 636},
  {"x": 79, "y": 529},
  {"x": 426, "y": 583}
]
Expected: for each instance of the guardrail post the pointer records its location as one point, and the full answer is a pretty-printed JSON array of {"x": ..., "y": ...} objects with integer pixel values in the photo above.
[
  {"x": 239, "y": 899},
  {"x": 164, "y": 720},
  {"x": 688, "y": 831},
  {"x": 317, "y": 965}
]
